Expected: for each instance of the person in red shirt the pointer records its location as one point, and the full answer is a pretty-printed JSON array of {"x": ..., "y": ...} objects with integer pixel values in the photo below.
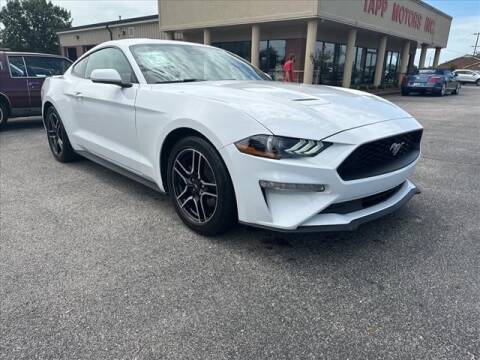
[{"x": 289, "y": 75}]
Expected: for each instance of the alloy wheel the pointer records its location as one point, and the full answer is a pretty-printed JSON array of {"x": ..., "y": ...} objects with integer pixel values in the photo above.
[
  {"x": 195, "y": 186},
  {"x": 55, "y": 133}
]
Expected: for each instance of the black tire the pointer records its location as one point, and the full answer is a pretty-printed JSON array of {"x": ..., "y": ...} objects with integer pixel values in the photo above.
[
  {"x": 405, "y": 93},
  {"x": 3, "y": 114},
  {"x": 443, "y": 91},
  {"x": 57, "y": 137},
  {"x": 193, "y": 199},
  {"x": 457, "y": 90},
  {"x": 477, "y": 82}
]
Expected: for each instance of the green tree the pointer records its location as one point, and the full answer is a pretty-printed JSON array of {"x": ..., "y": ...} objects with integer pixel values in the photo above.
[{"x": 31, "y": 25}]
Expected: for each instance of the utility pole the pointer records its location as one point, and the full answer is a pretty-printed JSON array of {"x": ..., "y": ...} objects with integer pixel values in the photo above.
[{"x": 476, "y": 44}]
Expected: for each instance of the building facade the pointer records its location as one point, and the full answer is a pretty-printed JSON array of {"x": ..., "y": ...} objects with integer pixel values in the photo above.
[
  {"x": 77, "y": 40},
  {"x": 337, "y": 42}
]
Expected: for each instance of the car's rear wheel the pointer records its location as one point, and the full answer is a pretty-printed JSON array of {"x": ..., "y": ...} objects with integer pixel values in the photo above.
[
  {"x": 3, "y": 114},
  {"x": 477, "y": 82},
  {"x": 200, "y": 187},
  {"x": 457, "y": 90},
  {"x": 57, "y": 137},
  {"x": 443, "y": 90},
  {"x": 405, "y": 93}
]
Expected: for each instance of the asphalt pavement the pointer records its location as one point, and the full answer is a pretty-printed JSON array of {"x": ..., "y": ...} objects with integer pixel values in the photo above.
[{"x": 96, "y": 266}]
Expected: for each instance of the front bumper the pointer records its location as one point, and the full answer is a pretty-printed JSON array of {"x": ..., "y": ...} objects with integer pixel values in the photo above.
[
  {"x": 351, "y": 221},
  {"x": 303, "y": 211}
]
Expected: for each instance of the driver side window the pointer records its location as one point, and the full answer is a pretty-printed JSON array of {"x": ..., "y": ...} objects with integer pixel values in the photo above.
[{"x": 110, "y": 58}]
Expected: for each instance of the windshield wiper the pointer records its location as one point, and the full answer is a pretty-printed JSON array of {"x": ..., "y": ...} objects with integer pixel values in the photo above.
[{"x": 178, "y": 81}]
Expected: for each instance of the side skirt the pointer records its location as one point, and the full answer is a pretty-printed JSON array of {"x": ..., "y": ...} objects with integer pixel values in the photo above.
[{"x": 120, "y": 170}]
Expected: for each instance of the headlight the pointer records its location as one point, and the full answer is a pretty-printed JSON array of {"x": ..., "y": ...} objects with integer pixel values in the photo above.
[{"x": 279, "y": 147}]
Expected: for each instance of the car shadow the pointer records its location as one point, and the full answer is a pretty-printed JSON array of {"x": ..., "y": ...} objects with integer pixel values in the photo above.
[
  {"x": 371, "y": 240},
  {"x": 295, "y": 250},
  {"x": 23, "y": 124}
]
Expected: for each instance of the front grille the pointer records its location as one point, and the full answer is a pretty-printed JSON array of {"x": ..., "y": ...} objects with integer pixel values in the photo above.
[
  {"x": 381, "y": 156},
  {"x": 347, "y": 207}
]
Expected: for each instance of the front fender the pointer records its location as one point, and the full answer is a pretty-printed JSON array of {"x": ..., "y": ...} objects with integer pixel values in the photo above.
[{"x": 159, "y": 112}]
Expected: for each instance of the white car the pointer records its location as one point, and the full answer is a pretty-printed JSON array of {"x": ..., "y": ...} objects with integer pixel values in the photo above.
[
  {"x": 227, "y": 143},
  {"x": 467, "y": 76}
]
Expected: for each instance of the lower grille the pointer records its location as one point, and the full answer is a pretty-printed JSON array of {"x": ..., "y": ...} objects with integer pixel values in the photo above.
[
  {"x": 381, "y": 156},
  {"x": 347, "y": 207}
]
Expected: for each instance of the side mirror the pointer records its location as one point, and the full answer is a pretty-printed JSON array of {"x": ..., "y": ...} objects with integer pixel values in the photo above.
[{"x": 108, "y": 76}]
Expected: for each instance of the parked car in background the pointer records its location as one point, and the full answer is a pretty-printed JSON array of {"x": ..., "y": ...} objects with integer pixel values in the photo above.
[
  {"x": 432, "y": 81},
  {"x": 21, "y": 80},
  {"x": 468, "y": 76},
  {"x": 227, "y": 143}
]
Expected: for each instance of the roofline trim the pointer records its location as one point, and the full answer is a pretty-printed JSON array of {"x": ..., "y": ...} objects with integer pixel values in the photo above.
[
  {"x": 434, "y": 9},
  {"x": 115, "y": 23}
]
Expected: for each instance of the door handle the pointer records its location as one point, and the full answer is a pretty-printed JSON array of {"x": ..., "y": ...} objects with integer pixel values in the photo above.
[{"x": 77, "y": 94}]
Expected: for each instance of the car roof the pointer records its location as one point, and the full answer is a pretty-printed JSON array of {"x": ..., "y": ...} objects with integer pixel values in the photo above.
[
  {"x": 21, "y": 53},
  {"x": 129, "y": 42}
]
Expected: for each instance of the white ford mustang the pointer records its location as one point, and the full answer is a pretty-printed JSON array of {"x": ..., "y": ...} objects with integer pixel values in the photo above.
[{"x": 227, "y": 143}]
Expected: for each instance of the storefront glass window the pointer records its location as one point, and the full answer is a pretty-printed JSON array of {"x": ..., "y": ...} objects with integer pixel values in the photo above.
[
  {"x": 370, "y": 64},
  {"x": 357, "y": 66},
  {"x": 364, "y": 66},
  {"x": 390, "y": 74},
  {"x": 240, "y": 48},
  {"x": 272, "y": 56},
  {"x": 329, "y": 62}
]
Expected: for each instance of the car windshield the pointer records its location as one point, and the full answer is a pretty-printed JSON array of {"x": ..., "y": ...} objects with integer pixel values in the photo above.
[{"x": 169, "y": 63}]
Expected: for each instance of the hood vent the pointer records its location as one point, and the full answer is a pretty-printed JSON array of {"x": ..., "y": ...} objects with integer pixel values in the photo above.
[{"x": 305, "y": 99}]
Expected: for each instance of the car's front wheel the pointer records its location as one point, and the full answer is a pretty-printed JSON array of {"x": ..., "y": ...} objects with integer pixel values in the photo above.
[
  {"x": 3, "y": 114},
  {"x": 200, "y": 187},
  {"x": 57, "y": 137},
  {"x": 477, "y": 82}
]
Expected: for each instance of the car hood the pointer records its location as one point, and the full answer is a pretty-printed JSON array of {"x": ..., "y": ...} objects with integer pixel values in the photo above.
[{"x": 295, "y": 110}]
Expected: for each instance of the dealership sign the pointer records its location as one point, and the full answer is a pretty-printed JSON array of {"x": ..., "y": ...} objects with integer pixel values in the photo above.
[{"x": 400, "y": 14}]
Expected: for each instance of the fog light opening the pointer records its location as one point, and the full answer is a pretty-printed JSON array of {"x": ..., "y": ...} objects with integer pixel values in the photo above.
[{"x": 274, "y": 185}]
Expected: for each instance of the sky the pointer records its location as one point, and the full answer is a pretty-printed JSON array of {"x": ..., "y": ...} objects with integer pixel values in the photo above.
[{"x": 465, "y": 13}]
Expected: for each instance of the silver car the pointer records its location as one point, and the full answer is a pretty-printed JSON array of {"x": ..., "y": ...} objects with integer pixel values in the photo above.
[{"x": 468, "y": 76}]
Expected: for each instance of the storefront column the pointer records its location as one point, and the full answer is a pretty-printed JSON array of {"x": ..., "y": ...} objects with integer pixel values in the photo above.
[
  {"x": 349, "y": 58},
  {"x": 310, "y": 51},
  {"x": 255, "y": 45},
  {"x": 206, "y": 36},
  {"x": 436, "y": 58},
  {"x": 382, "y": 47},
  {"x": 404, "y": 61},
  {"x": 423, "y": 56}
]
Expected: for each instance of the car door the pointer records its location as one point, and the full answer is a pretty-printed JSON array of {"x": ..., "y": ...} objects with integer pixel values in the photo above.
[
  {"x": 38, "y": 68},
  {"x": 460, "y": 75},
  {"x": 470, "y": 76},
  {"x": 451, "y": 81},
  {"x": 16, "y": 87},
  {"x": 105, "y": 113}
]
